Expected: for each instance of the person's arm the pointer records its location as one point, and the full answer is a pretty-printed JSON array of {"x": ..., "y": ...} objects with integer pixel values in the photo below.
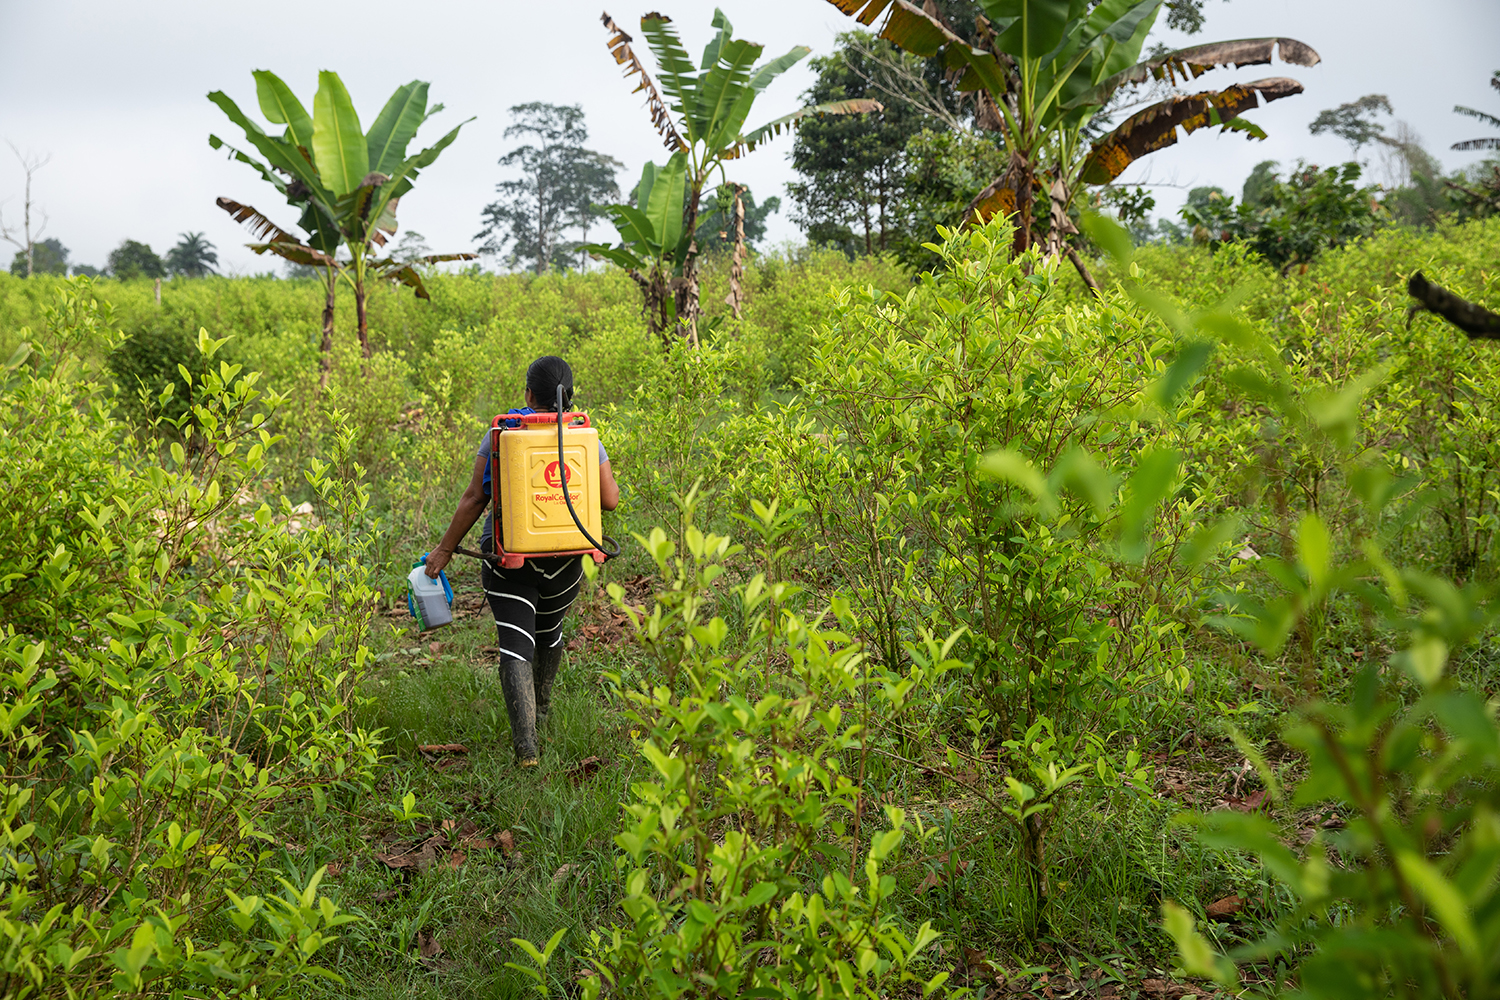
[
  {"x": 470, "y": 509},
  {"x": 609, "y": 490}
]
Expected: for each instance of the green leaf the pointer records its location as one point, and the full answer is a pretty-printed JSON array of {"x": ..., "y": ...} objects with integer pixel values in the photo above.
[
  {"x": 767, "y": 72},
  {"x": 405, "y": 174},
  {"x": 395, "y": 126},
  {"x": 1154, "y": 475},
  {"x": 1011, "y": 466},
  {"x": 1034, "y": 27},
  {"x": 1183, "y": 369},
  {"x": 1315, "y": 549},
  {"x": 676, "y": 73},
  {"x": 773, "y": 128},
  {"x": 1198, "y": 956},
  {"x": 715, "y": 47},
  {"x": 277, "y": 152},
  {"x": 618, "y": 255},
  {"x": 1113, "y": 238},
  {"x": 722, "y": 86},
  {"x": 1425, "y": 658},
  {"x": 634, "y": 226},
  {"x": 1444, "y": 898},
  {"x": 664, "y": 210},
  {"x": 280, "y": 105},
  {"x": 338, "y": 143}
]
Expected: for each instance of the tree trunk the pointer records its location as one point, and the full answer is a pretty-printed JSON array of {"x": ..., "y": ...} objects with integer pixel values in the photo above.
[
  {"x": 1022, "y": 174},
  {"x": 359, "y": 311},
  {"x": 687, "y": 289},
  {"x": 325, "y": 349},
  {"x": 1083, "y": 272},
  {"x": 737, "y": 259}
]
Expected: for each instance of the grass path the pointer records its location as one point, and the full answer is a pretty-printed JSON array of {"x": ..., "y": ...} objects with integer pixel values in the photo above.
[{"x": 461, "y": 903}]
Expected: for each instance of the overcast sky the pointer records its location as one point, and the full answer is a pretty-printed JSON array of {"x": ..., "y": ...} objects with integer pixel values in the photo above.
[{"x": 114, "y": 92}]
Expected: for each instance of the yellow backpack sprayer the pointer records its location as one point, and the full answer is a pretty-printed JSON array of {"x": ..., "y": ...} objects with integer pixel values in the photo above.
[{"x": 545, "y": 486}]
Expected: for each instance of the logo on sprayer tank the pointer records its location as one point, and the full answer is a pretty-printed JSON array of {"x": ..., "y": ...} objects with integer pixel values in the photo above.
[{"x": 552, "y": 476}]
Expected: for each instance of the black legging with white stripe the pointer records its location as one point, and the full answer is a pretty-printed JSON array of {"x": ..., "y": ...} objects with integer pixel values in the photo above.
[{"x": 531, "y": 602}]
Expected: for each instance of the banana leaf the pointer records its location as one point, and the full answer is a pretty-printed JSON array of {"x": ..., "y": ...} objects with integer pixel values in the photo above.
[
  {"x": 269, "y": 175},
  {"x": 297, "y": 253},
  {"x": 338, "y": 143},
  {"x": 259, "y": 226},
  {"x": 279, "y": 154},
  {"x": 617, "y": 255},
  {"x": 664, "y": 209},
  {"x": 679, "y": 79},
  {"x": 1032, "y": 29},
  {"x": 771, "y": 129},
  {"x": 280, "y": 105},
  {"x": 405, "y": 174},
  {"x": 661, "y": 118},
  {"x": 1156, "y": 127},
  {"x": 1192, "y": 62},
  {"x": 721, "y": 86},
  {"x": 395, "y": 126}
]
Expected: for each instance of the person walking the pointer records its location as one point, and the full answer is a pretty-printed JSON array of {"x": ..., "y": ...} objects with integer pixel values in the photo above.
[{"x": 529, "y": 603}]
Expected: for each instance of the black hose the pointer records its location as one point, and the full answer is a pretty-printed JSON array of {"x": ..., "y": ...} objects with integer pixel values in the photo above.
[{"x": 562, "y": 468}]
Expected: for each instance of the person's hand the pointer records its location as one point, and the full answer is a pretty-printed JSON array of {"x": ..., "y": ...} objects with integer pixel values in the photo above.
[{"x": 436, "y": 560}]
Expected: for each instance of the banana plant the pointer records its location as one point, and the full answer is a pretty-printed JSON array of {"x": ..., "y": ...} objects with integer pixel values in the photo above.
[
  {"x": 700, "y": 113},
  {"x": 346, "y": 182},
  {"x": 654, "y": 242},
  {"x": 1041, "y": 70}
]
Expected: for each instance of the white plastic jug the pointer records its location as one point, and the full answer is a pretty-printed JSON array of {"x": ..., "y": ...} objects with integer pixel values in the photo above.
[{"x": 428, "y": 599}]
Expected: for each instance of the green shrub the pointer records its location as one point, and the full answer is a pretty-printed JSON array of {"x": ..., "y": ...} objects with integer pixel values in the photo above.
[
  {"x": 171, "y": 676},
  {"x": 731, "y": 878},
  {"x": 904, "y": 396}
]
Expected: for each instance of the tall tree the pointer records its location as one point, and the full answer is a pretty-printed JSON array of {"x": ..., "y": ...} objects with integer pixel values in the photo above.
[
  {"x": 25, "y": 238},
  {"x": 192, "y": 257},
  {"x": 135, "y": 260},
  {"x": 47, "y": 257},
  {"x": 346, "y": 181},
  {"x": 559, "y": 181},
  {"x": 854, "y": 167},
  {"x": 703, "y": 127},
  {"x": 1042, "y": 70},
  {"x": 1353, "y": 122}
]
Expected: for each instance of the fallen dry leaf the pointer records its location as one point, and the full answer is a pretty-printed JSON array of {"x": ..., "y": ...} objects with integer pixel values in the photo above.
[
  {"x": 507, "y": 842},
  {"x": 1250, "y": 803},
  {"x": 386, "y": 895},
  {"x": 585, "y": 768},
  {"x": 1223, "y": 909},
  {"x": 335, "y": 868},
  {"x": 443, "y": 748},
  {"x": 419, "y": 856},
  {"x": 435, "y": 647},
  {"x": 427, "y": 945},
  {"x": 456, "y": 858},
  {"x": 563, "y": 873},
  {"x": 452, "y": 764}
]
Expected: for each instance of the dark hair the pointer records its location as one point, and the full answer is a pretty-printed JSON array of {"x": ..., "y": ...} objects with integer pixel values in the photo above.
[{"x": 543, "y": 378}]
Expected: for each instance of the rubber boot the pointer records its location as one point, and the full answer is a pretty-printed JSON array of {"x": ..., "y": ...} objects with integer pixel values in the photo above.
[
  {"x": 520, "y": 705},
  {"x": 543, "y": 673}
]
